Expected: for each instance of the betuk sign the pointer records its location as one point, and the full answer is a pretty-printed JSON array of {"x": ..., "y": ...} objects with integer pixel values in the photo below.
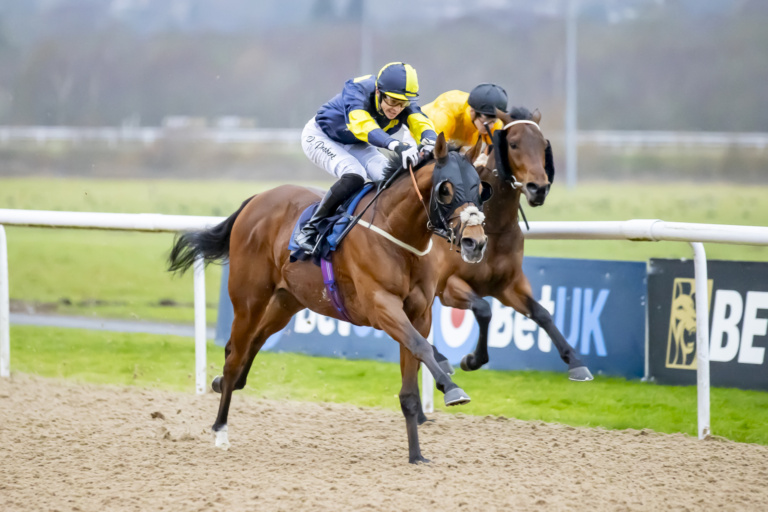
[{"x": 599, "y": 306}]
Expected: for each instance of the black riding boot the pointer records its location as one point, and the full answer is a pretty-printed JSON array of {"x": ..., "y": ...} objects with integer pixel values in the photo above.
[{"x": 339, "y": 192}]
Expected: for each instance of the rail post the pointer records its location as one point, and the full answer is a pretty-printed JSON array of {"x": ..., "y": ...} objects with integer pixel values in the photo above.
[
  {"x": 201, "y": 376},
  {"x": 702, "y": 338},
  {"x": 5, "y": 309}
]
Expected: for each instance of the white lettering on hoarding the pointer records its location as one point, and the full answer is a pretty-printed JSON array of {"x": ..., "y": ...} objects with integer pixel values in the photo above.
[
  {"x": 325, "y": 325},
  {"x": 753, "y": 326},
  {"x": 304, "y": 321},
  {"x": 726, "y": 315},
  {"x": 500, "y": 329},
  {"x": 590, "y": 324},
  {"x": 344, "y": 328},
  {"x": 523, "y": 332},
  {"x": 573, "y": 334}
]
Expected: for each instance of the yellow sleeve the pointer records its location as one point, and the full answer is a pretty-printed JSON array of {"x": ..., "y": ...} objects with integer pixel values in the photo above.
[
  {"x": 361, "y": 124},
  {"x": 418, "y": 123}
]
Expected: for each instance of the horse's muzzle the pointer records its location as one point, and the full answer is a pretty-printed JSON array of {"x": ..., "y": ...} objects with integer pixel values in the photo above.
[
  {"x": 536, "y": 194},
  {"x": 472, "y": 249}
]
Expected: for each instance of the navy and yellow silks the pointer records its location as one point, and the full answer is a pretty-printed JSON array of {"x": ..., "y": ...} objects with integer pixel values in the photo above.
[{"x": 353, "y": 116}]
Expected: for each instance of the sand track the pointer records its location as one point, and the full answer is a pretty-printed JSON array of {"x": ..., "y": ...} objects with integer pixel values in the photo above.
[{"x": 91, "y": 448}]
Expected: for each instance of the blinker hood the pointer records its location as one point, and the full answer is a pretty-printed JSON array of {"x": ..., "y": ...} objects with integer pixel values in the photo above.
[
  {"x": 499, "y": 140},
  {"x": 458, "y": 171}
]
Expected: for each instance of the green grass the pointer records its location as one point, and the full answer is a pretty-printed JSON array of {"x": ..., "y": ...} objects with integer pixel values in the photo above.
[{"x": 167, "y": 362}]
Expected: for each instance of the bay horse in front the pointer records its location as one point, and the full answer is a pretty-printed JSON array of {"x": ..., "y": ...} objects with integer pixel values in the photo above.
[{"x": 381, "y": 274}]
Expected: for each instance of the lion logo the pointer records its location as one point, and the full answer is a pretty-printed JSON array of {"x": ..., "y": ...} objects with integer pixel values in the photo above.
[{"x": 681, "y": 341}]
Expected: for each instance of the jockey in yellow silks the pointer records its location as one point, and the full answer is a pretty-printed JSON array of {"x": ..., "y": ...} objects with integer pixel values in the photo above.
[{"x": 463, "y": 117}]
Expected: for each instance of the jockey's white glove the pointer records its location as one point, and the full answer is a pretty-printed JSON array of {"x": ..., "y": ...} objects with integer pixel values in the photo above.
[
  {"x": 427, "y": 146},
  {"x": 406, "y": 152}
]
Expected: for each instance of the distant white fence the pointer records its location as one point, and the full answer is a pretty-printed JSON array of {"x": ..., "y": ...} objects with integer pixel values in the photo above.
[
  {"x": 635, "y": 230},
  {"x": 149, "y": 135}
]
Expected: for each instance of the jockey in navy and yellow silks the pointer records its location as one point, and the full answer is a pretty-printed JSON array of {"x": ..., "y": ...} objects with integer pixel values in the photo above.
[
  {"x": 344, "y": 136},
  {"x": 356, "y": 115}
]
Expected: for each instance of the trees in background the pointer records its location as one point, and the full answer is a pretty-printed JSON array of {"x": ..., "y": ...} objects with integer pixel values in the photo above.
[{"x": 663, "y": 66}]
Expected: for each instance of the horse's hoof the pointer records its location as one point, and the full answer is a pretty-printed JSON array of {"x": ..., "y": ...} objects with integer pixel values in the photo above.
[
  {"x": 446, "y": 366},
  {"x": 580, "y": 374},
  {"x": 470, "y": 363},
  {"x": 216, "y": 384},
  {"x": 221, "y": 438},
  {"x": 456, "y": 396},
  {"x": 466, "y": 363},
  {"x": 418, "y": 460}
]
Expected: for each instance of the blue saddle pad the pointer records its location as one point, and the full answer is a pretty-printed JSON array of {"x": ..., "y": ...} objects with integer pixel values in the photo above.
[{"x": 330, "y": 229}]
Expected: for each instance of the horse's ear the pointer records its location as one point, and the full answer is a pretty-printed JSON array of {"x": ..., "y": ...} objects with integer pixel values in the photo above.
[
  {"x": 474, "y": 151},
  {"x": 486, "y": 191},
  {"x": 536, "y": 116},
  {"x": 441, "y": 147},
  {"x": 505, "y": 118}
]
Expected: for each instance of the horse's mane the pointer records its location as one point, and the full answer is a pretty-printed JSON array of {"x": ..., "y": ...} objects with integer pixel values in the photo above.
[
  {"x": 394, "y": 162},
  {"x": 518, "y": 113}
]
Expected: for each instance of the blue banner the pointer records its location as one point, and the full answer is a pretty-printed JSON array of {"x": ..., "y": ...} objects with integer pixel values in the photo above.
[{"x": 599, "y": 306}]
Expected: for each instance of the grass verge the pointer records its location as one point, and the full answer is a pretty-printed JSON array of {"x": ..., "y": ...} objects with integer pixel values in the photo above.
[{"x": 167, "y": 362}]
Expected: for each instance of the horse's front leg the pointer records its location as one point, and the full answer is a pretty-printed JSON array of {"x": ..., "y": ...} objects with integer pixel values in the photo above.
[
  {"x": 410, "y": 403},
  {"x": 388, "y": 316},
  {"x": 423, "y": 325},
  {"x": 520, "y": 297},
  {"x": 414, "y": 348},
  {"x": 458, "y": 294}
]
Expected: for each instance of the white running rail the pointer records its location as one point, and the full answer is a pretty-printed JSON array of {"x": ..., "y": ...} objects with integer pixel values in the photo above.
[
  {"x": 151, "y": 222},
  {"x": 635, "y": 230}
]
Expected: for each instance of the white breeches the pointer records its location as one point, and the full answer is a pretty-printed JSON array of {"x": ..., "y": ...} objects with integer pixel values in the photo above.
[{"x": 338, "y": 159}]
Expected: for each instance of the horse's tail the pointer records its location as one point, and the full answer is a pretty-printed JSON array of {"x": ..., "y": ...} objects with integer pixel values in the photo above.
[{"x": 212, "y": 244}]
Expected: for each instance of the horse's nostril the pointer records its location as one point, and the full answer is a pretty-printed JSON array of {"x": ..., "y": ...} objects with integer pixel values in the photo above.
[
  {"x": 532, "y": 188},
  {"x": 468, "y": 244}
]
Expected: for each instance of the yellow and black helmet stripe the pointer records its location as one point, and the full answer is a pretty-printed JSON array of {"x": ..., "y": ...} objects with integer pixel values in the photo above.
[{"x": 398, "y": 80}]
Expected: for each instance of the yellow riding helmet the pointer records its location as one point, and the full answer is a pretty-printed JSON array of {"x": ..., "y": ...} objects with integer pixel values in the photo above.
[{"x": 398, "y": 80}]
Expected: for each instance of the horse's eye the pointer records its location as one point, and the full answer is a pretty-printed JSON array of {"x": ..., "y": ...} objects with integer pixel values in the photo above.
[{"x": 513, "y": 145}]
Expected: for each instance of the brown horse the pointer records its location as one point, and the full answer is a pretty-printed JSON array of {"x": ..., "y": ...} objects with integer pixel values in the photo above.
[
  {"x": 526, "y": 168},
  {"x": 383, "y": 280}
]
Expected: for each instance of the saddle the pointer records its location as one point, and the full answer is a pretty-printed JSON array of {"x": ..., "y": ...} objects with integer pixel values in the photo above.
[{"x": 331, "y": 229}]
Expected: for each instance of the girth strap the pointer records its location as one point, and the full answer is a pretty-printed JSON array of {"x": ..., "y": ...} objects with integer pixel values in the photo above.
[{"x": 333, "y": 290}]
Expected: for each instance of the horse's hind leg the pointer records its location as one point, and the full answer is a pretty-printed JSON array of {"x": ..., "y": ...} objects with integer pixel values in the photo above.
[
  {"x": 577, "y": 370},
  {"x": 410, "y": 403},
  {"x": 458, "y": 294},
  {"x": 520, "y": 297},
  {"x": 250, "y": 330}
]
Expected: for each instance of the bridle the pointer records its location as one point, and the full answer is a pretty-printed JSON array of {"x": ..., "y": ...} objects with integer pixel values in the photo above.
[
  {"x": 503, "y": 166},
  {"x": 501, "y": 160}
]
